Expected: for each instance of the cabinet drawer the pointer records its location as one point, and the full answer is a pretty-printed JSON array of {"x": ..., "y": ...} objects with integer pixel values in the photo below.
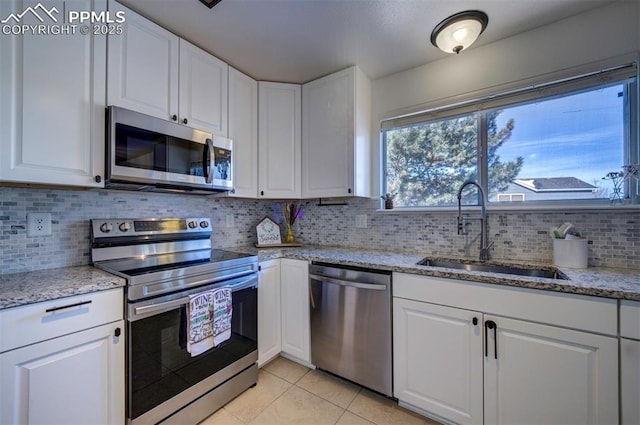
[
  {"x": 630, "y": 319},
  {"x": 581, "y": 312},
  {"x": 33, "y": 323}
]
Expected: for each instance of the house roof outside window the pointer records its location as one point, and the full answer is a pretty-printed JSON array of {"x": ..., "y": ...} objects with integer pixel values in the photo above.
[{"x": 547, "y": 188}]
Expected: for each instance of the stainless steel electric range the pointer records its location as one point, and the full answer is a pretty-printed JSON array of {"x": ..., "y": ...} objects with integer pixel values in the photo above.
[{"x": 164, "y": 261}]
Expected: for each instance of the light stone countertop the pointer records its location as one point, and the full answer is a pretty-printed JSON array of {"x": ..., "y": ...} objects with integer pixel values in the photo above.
[
  {"x": 45, "y": 285},
  {"x": 595, "y": 281}
]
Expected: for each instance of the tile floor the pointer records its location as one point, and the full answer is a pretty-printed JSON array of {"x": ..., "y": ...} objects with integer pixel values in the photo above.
[{"x": 289, "y": 393}]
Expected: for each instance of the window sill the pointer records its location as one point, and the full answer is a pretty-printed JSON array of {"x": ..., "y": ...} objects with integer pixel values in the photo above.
[{"x": 560, "y": 207}]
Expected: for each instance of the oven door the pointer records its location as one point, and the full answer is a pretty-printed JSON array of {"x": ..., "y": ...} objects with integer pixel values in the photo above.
[{"x": 162, "y": 377}]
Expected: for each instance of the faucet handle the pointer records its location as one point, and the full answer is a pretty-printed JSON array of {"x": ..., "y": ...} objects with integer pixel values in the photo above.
[{"x": 485, "y": 253}]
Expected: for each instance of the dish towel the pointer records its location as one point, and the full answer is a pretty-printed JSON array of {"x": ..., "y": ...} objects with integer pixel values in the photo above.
[
  {"x": 222, "y": 314},
  {"x": 208, "y": 319}
]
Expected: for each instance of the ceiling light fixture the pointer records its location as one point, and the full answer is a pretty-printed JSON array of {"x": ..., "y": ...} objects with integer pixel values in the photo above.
[
  {"x": 459, "y": 31},
  {"x": 210, "y": 3}
]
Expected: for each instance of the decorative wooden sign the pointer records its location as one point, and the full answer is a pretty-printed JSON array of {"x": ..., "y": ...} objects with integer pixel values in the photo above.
[
  {"x": 268, "y": 232},
  {"x": 269, "y": 235}
]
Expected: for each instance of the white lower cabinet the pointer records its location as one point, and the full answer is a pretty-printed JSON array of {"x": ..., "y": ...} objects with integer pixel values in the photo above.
[
  {"x": 548, "y": 375},
  {"x": 437, "y": 365},
  {"x": 630, "y": 362},
  {"x": 74, "y": 379},
  {"x": 283, "y": 311},
  {"x": 461, "y": 361},
  {"x": 61, "y": 372},
  {"x": 269, "y": 329},
  {"x": 294, "y": 290},
  {"x": 630, "y": 381}
]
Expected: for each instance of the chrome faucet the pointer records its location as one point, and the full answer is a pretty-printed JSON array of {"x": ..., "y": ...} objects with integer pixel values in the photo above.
[{"x": 485, "y": 245}]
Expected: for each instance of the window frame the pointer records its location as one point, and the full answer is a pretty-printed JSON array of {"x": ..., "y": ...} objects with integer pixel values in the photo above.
[{"x": 625, "y": 73}]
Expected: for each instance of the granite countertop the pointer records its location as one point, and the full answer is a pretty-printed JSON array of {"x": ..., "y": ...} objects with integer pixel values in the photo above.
[
  {"x": 45, "y": 285},
  {"x": 595, "y": 281}
]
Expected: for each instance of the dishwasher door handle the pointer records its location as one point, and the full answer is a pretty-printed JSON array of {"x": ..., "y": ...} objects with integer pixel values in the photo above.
[{"x": 348, "y": 283}]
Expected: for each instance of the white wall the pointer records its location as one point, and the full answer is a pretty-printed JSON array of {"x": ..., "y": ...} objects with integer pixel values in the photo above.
[{"x": 593, "y": 36}]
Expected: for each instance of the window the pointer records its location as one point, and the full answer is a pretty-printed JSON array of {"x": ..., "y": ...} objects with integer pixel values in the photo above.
[
  {"x": 559, "y": 142},
  {"x": 510, "y": 197}
]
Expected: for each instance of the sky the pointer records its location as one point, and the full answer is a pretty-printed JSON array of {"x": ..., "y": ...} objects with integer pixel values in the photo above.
[{"x": 575, "y": 136}]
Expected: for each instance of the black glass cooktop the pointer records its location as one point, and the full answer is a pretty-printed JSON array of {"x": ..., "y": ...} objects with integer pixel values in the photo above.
[{"x": 157, "y": 263}]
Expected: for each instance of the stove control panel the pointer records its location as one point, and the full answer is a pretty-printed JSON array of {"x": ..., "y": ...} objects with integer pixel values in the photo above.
[{"x": 148, "y": 226}]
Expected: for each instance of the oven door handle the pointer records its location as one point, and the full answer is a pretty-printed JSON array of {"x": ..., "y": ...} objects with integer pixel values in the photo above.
[
  {"x": 165, "y": 306},
  {"x": 249, "y": 282}
]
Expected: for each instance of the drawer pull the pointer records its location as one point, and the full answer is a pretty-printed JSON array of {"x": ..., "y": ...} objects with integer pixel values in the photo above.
[{"x": 52, "y": 309}]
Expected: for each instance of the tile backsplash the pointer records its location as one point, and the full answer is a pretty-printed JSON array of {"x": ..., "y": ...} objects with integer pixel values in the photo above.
[
  {"x": 614, "y": 236},
  {"x": 71, "y": 211}
]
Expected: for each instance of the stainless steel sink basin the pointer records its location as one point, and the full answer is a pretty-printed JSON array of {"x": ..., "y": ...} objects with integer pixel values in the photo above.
[{"x": 550, "y": 273}]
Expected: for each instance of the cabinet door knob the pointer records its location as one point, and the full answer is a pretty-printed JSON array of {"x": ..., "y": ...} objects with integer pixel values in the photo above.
[
  {"x": 474, "y": 321},
  {"x": 184, "y": 121},
  {"x": 174, "y": 117},
  {"x": 262, "y": 193},
  {"x": 98, "y": 179},
  {"x": 349, "y": 190},
  {"x": 117, "y": 332}
]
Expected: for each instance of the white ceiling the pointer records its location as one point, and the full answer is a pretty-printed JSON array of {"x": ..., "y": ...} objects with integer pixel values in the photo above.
[{"x": 299, "y": 40}]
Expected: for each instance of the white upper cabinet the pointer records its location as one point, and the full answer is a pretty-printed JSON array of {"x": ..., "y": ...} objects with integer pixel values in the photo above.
[
  {"x": 279, "y": 126},
  {"x": 153, "y": 71},
  {"x": 52, "y": 100},
  {"x": 203, "y": 90},
  {"x": 336, "y": 118},
  {"x": 243, "y": 130},
  {"x": 143, "y": 67}
]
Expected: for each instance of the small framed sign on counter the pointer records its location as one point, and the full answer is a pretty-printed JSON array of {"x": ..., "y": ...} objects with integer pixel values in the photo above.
[{"x": 268, "y": 233}]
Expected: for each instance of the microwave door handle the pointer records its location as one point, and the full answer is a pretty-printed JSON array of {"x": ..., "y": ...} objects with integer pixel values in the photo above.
[{"x": 207, "y": 161}]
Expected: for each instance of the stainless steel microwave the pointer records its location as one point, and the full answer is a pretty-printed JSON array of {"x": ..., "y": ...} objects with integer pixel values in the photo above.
[{"x": 148, "y": 153}]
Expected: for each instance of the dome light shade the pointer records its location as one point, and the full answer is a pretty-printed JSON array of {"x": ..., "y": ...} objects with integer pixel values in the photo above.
[{"x": 459, "y": 31}]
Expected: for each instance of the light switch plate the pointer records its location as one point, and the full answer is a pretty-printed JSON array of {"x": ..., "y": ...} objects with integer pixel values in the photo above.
[
  {"x": 361, "y": 221},
  {"x": 38, "y": 224}
]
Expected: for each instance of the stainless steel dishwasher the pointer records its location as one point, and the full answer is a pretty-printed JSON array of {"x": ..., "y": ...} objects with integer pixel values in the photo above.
[{"x": 351, "y": 324}]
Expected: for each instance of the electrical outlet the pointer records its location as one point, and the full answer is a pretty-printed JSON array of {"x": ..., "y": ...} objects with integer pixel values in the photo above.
[
  {"x": 361, "y": 221},
  {"x": 230, "y": 220},
  {"x": 38, "y": 224}
]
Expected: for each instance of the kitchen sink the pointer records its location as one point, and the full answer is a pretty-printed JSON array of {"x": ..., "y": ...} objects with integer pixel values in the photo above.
[{"x": 549, "y": 273}]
